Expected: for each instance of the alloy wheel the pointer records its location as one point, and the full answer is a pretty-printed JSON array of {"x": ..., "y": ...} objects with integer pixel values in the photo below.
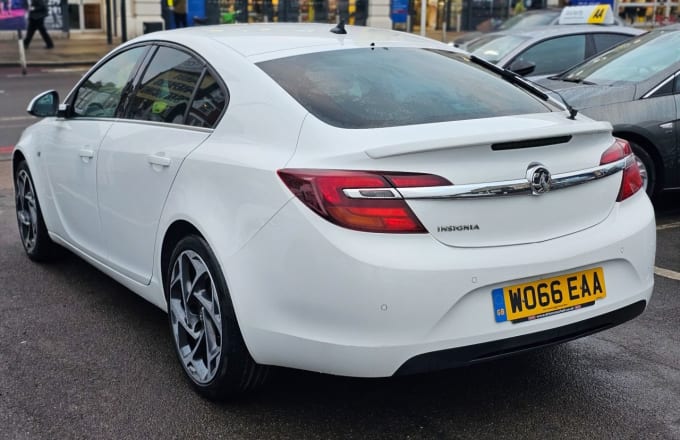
[
  {"x": 27, "y": 210},
  {"x": 195, "y": 317}
]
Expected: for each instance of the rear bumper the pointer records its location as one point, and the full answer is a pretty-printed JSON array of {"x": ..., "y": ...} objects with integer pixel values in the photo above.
[
  {"x": 314, "y": 296},
  {"x": 457, "y": 357}
]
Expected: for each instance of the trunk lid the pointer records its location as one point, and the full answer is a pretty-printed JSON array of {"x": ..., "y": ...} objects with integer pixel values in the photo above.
[{"x": 484, "y": 151}]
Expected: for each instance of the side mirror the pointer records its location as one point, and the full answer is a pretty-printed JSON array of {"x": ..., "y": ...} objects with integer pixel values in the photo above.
[
  {"x": 522, "y": 67},
  {"x": 44, "y": 105}
]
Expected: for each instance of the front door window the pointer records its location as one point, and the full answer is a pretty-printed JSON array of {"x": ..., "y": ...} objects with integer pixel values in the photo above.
[{"x": 100, "y": 94}]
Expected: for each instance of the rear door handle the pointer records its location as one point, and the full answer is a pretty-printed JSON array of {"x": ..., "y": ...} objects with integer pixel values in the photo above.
[
  {"x": 162, "y": 161},
  {"x": 86, "y": 153}
]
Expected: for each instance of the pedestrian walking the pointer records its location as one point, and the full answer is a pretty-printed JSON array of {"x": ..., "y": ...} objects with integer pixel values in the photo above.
[
  {"x": 36, "y": 22},
  {"x": 180, "y": 12}
]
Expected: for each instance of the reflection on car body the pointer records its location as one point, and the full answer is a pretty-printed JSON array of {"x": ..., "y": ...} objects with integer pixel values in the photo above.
[{"x": 163, "y": 94}]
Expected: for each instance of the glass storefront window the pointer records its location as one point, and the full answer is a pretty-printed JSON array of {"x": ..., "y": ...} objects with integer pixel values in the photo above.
[
  {"x": 306, "y": 11},
  {"x": 85, "y": 16}
]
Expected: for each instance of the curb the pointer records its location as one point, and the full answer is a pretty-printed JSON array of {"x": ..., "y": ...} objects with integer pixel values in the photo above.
[{"x": 6, "y": 153}]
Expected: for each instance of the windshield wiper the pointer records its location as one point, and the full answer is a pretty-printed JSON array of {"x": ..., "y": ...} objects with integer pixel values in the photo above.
[
  {"x": 578, "y": 81},
  {"x": 510, "y": 77},
  {"x": 522, "y": 82}
]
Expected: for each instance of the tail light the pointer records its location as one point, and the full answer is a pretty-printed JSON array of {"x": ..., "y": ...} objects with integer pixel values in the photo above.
[
  {"x": 632, "y": 180},
  {"x": 360, "y": 200}
]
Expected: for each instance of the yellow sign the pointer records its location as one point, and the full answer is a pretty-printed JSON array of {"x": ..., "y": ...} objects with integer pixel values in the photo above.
[
  {"x": 549, "y": 296},
  {"x": 589, "y": 14},
  {"x": 598, "y": 15}
]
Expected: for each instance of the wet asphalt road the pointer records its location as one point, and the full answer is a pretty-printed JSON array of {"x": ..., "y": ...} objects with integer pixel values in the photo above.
[{"x": 83, "y": 357}]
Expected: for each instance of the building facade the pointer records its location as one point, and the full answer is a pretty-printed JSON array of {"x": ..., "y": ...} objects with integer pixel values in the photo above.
[{"x": 91, "y": 16}]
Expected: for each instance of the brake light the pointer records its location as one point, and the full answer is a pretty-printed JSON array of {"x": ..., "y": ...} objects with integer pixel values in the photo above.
[
  {"x": 323, "y": 191},
  {"x": 632, "y": 180}
]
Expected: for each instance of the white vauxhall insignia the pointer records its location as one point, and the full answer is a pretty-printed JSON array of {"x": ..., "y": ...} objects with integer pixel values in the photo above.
[{"x": 362, "y": 204}]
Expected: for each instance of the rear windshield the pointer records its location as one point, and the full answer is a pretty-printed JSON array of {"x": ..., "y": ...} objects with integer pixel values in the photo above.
[{"x": 388, "y": 87}]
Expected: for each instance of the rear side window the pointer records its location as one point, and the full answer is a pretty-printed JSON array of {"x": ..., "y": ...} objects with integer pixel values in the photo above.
[
  {"x": 386, "y": 87},
  {"x": 606, "y": 41},
  {"x": 208, "y": 104},
  {"x": 166, "y": 88}
]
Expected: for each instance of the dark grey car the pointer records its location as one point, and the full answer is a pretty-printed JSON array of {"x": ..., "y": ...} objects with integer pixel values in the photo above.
[{"x": 636, "y": 87}]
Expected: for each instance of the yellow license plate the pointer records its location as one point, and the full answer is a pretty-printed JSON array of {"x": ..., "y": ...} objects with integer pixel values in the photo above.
[{"x": 548, "y": 296}]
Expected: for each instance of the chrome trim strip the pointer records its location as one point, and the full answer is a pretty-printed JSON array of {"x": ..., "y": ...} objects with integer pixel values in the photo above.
[
  {"x": 206, "y": 130},
  {"x": 514, "y": 187},
  {"x": 167, "y": 125},
  {"x": 651, "y": 93},
  {"x": 372, "y": 193}
]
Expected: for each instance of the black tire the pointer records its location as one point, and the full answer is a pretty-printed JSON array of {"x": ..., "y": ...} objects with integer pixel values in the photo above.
[
  {"x": 32, "y": 229},
  {"x": 649, "y": 167},
  {"x": 235, "y": 371}
]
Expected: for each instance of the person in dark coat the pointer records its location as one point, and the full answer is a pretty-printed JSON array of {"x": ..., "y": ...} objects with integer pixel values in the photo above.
[
  {"x": 36, "y": 22},
  {"x": 180, "y": 12},
  {"x": 360, "y": 12}
]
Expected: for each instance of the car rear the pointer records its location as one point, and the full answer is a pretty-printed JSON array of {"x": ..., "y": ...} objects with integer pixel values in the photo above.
[{"x": 437, "y": 215}]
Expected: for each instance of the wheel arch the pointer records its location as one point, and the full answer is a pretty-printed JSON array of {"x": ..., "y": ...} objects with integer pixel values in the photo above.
[
  {"x": 649, "y": 147},
  {"x": 175, "y": 232},
  {"x": 240, "y": 373},
  {"x": 17, "y": 158}
]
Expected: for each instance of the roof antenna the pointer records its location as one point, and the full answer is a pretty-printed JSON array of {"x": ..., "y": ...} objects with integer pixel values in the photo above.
[
  {"x": 572, "y": 111},
  {"x": 340, "y": 28}
]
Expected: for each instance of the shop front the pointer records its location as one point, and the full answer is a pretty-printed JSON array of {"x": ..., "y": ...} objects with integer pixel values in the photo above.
[
  {"x": 463, "y": 15},
  {"x": 75, "y": 15},
  {"x": 85, "y": 15},
  {"x": 254, "y": 11}
]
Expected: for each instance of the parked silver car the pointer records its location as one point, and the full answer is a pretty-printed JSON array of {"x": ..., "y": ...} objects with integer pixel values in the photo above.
[
  {"x": 526, "y": 20},
  {"x": 547, "y": 50}
]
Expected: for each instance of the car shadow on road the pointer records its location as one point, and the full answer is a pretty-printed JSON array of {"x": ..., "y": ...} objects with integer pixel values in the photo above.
[
  {"x": 125, "y": 353},
  {"x": 667, "y": 205}
]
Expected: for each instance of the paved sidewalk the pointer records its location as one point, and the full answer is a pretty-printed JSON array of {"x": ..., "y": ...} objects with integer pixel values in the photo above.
[{"x": 83, "y": 49}]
